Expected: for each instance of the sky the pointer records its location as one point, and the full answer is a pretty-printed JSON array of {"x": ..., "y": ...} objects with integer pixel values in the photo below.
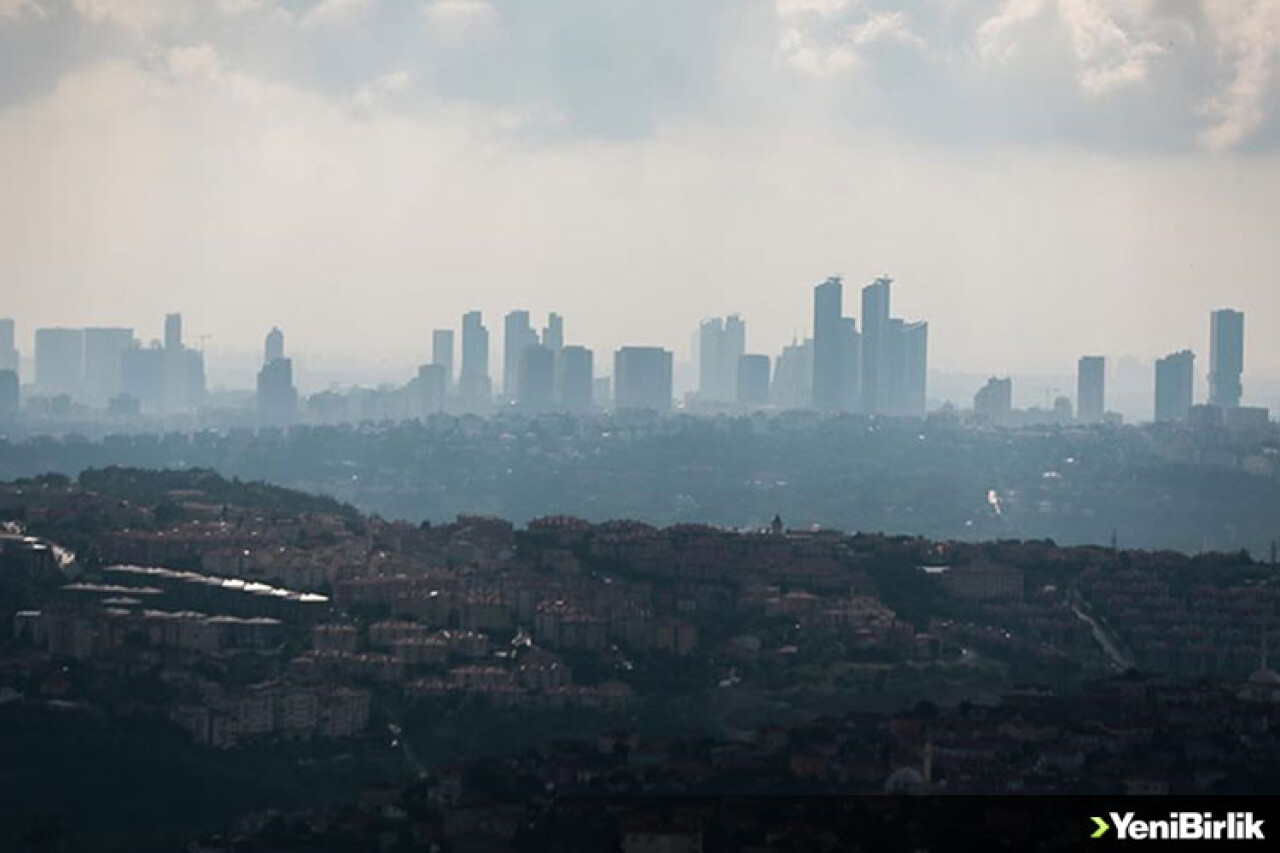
[{"x": 1042, "y": 178}]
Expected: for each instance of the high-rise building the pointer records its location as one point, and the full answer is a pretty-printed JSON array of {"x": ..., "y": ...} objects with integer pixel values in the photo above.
[
  {"x": 1175, "y": 385},
  {"x": 721, "y": 341},
  {"x": 793, "y": 376},
  {"x": 104, "y": 350},
  {"x": 473, "y": 382},
  {"x": 8, "y": 346},
  {"x": 273, "y": 347},
  {"x": 173, "y": 331},
  {"x": 850, "y": 363},
  {"x": 915, "y": 370},
  {"x": 1091, "y": 389},
  {"x": 828, "y": 350},
  {"x": 574, "y": 375},
  {"x": 642, "y": 378},
  {"x": 875, "y": 325},
  {"x": 536, "y": 388},
  {"x": 753, "y": 380},
  {"x": 442, "y": 354},
  {"x": 1226, "y": 358},
  {"x": 517, "y": 335},
  {"x": 142, "y": 376},
  {"x": 9, "y": 393},
  {"x": 277, "y": 396},
  {"x": 59, "y": 360},
  {"x": 553, "y": 333},
  {"x": 994, "y": 401},
  {"x": 428, "y": 389}
]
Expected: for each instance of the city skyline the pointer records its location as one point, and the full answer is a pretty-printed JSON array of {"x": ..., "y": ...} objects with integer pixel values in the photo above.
[{"x": 881, "y": 370}]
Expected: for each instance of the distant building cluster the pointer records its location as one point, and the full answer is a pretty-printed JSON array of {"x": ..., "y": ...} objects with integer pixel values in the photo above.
[{"x": 880, "y": 368}]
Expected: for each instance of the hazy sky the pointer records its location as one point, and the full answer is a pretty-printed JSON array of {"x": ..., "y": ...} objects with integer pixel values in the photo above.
[{"x": 1042, "y": 178}]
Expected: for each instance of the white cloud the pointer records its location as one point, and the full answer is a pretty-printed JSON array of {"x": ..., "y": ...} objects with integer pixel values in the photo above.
[
  {"x": 1248, "y": 39},
  {"x": 11, "y": 10},
  {"x": 331, "y": 12},
  {"x": 998, "y": 36},
  {"x": 886, "y": 27},
  {"x": 374, "y": 95},
  {"x": 137, "y": 16}
]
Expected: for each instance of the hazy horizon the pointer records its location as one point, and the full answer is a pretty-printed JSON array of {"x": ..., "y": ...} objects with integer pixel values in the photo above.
[{"x": 1042, "y": 179}]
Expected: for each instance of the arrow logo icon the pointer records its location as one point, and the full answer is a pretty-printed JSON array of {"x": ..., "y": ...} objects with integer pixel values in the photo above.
[{"x": 1103, "y": 826}]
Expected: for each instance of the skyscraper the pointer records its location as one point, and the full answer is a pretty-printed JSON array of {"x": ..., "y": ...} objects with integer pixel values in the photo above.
[
  {"x": 173, "y": 331},
  {"x": 1175, "y": 385},
  {"x": 59, "y": 360},
  {"x": 9, "y": 392},
  {"x": 474, "y": 383},
  {"x": 828, "y": 365},
  {"x": 1091, "y": 389},
  {"x": 537, "y": 378},
  {"x": 1226, "y": 358},
  {"x": 277, "y": 397},
  {"x": 574, "y": 374},
  {"x": 553, "y": 333},
  {"x": 850, "y": 363},
  {"x": 753, "y": 380},
  {"x": 721, "y": 342},
  {"x": 642, "y": 378},
  {"x": 517, "y": 335},
  {"x": 915, "y": 370},
  {"x": 273, "y": 347},
  {"x": 8, "y": 346},
  {"x": 793, "y": 376},
  {"x": 104, "y": 350},
  {"x": 428, "y": 390},
  {"x": 442, "y": 354},
  {"x": 875, "y": 322}
]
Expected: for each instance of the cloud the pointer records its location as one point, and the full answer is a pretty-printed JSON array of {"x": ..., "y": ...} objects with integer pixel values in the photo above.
[
  {"x": 373, "y": 96},
  {"x": 824, "y": 38},
  {"x": 332, "y": 12},
  {"x": 137, "y": 16},
  {"x": 1248, "y": 37},
  {"x": 11, "y": 10}
]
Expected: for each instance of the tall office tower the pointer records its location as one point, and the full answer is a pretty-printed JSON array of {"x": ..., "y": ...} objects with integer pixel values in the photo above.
[
  {"x": 1091, "y": 389},
  {"x": 553, "y": 333},
  {"x": 517, "y": 335},
  {"x": 536, "y": 378},
  {"x": 893, "y": 367},
  {"x": 1175, "y": 385},
  {"x": 473, "y": 381},
  {"x": 915, "y": 368},
  {"x": 9, "y": 392},
  {"x": 1226, "y": 358},
  {"x": 277, "y": 398},
  {"x": 850, "y": 358},
  {"x": 8, "y": 347},
  {"x": 721, "y": 341},
  {"x": 183, "y": 370},
  {"x": 875, "y": 322},
  {"x": 828, "y": 367},
  {"x": 793, "y": 376},
  {"x": 59, "y": 360},
  {"x": 574, "y": 375},
  {"x": 273, "y": 347},
  {"x": 994, "y": 401},
  {"x": 642, "y": 378},
  {"x": 142, "y": 376},
  {"x": 173, "y": 331},
  {"x": 753, "y": 380},
  {"x": 442, "y": 354},
  {"x": 104, "y": 351},
  {"x": 427, "y": 390}
]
